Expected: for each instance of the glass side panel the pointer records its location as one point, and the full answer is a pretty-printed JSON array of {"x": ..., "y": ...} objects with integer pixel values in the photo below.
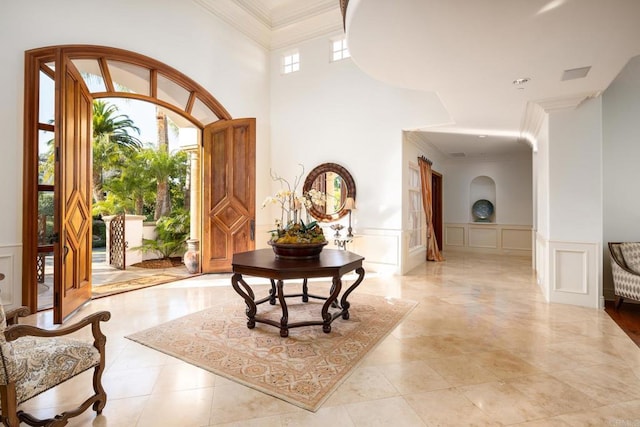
[
  {"x": 171, "y": 92},
  {"x": 203, "y": 113},
  {"x": 44, "y": 261},
  {"x": 46, "y": 158},
  {"x": 45, "y": 218},
  {"x": 130, "y": 78},
  {"x": 47, "y": 99},
  {"x": 91, "y": 74},
  {"x": 414, "y": 178}
]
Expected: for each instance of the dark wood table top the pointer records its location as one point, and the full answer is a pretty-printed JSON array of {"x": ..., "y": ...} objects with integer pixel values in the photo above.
[{"x": 263, "y": 263}]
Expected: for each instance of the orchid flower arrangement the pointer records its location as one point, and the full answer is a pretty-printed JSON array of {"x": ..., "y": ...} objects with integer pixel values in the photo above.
[{"x": 293, "y": 229}]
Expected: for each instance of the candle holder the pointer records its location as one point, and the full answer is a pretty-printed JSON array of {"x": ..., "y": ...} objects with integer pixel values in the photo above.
[
  {"x": 337, "y": 228},
  {"x": 350, "y": 205}
]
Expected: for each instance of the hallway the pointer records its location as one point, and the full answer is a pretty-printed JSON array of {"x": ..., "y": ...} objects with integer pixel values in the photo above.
[{"x": 481, "y": 348}]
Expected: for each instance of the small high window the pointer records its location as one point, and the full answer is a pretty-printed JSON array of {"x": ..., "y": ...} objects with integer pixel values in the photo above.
[
  {"x": 339, "y": 50},
  {"x": 291, "y": 63}
]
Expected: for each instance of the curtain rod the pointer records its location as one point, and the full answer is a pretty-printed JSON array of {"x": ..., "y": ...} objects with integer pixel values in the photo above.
[{"x": 425, "y": 159}]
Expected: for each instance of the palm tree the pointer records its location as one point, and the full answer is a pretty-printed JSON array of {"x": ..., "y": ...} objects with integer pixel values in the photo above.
[
  {"x": 130, "y": 190},
  {"x": 163, "y": 165},
  {"x": 112, "y": 141}
]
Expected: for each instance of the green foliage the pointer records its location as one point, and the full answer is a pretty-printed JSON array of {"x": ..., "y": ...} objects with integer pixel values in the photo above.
[
  {"x": 99, "y": 230},
  {"x": 113, "y": 128},
  {"x": 45, "y": 204},
  {"x": 299, "y": 232},
  {"x": 111, "y": 205},
  {"x": 173, "y": 232}
]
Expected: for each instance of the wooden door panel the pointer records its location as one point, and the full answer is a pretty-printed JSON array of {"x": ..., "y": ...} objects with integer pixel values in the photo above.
[
  {"x": 241, "y": 149},
  {"x": 228, "y": 192},
  {"x": 72, "y": 277}
]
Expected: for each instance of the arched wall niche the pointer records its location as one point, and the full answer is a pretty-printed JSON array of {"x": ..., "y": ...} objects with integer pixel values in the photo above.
[{"x": 482, "y": 188}]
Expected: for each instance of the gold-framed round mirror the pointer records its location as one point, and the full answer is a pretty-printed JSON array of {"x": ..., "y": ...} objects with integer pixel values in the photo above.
[{"x": 336, "y": 183}]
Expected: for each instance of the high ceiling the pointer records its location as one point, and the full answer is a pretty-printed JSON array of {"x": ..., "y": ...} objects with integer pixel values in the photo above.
[{"x": 470, "y": 53}]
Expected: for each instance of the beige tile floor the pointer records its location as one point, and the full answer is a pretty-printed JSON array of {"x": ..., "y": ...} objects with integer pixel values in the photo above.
[{"x": 481, "y": 348}]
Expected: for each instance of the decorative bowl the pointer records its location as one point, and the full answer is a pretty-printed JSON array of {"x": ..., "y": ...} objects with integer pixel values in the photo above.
[
  {"x": 482, "y": 210},
  {"x": 297, "y": 250}
]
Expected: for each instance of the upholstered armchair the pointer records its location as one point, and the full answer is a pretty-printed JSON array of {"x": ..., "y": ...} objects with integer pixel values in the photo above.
[
  {"x": 625, "y": 266},
  {"x": 34, "y": 360}
]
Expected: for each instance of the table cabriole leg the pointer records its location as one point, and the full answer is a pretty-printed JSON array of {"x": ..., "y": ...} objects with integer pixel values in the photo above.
[
  {"x": 343, "y": 301},
  {"x": 248, "y": 298},
  {"x": 327, "y": 317},
  {"x": 284, "y": 320},
  {"x": 272, "y": 293}
]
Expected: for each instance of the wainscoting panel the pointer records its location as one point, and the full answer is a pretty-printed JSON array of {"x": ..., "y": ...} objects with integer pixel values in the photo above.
[
  {"x": 570, "y": 274},
  {"x": 574, "y": 273},
  {"x": 454, "y": 235},
  {"x": 488, "y": 238},
  {"x": 380, "y": 248},
  {"x": 483, "y": 237},
  {"x": 541, "y": 265},
  {"x": 516, "y": 238},
  {"x": 11, "y": 286}
]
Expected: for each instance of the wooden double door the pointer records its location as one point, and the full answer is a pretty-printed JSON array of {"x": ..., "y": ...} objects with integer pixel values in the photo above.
[{"x": 228, "y": 203}]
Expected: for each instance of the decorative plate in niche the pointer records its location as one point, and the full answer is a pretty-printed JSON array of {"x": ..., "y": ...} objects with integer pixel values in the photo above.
[{"x": 482, "y": 210}]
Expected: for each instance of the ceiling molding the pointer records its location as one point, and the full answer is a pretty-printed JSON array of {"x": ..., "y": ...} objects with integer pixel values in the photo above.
[
  {"x": 288, "y": 15},
  {"x": 237, "y": 17},
  {"x": 256, "y": 9},
  {"x": 288, "y": 24},
  {"x": 420, "y": 140},
  {"x": 300, "y": 33},
  {"x": 532, "y": 120},
  {"x": 565, "y": 102}
]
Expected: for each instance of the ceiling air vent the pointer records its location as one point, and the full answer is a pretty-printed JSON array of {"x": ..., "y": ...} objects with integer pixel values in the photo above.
[
  {"x": 457, "y": 154},
  {"x": 575, "y": 73}
]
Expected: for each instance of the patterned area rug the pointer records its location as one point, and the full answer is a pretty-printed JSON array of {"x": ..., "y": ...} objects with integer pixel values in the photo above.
[
  {"x": 303, "y": 369},
  {"x": 133, "y": 284}
]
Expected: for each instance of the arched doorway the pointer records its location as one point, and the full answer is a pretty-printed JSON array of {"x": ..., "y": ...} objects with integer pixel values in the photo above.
[{"x": 227, "y": 160}]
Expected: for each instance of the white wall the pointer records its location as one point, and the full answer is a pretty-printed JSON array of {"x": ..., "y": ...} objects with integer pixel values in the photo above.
[
  {"x": 181, "y": 34},
  {"x": 621, "y": 174},
  {"x": 575, "y": 171},
  {"x": 513, "y": 179},
  {"x": 541, "y": 202},
  {"x": 568, "y": 243},
  {"x": 333, "y": 112}
]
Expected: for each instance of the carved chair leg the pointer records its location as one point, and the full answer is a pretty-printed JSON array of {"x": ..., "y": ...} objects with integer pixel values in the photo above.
[
  {"x": 9, "y": 403},
  {"x": 101, "y": 395},
  {"x": 618, "y": 303}
]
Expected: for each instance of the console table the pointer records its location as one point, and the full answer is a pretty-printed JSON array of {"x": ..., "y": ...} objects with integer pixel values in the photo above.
[{"x": 332, "y": 263}]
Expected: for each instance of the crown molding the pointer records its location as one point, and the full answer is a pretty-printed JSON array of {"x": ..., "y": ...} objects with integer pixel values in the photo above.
[
  {"x": 418, "y": 140},
  {"x": 286, "y": 25},
  {"x": 298, "y": 11},
  {"x": 532, "y": 120},
  {"x": 231, "y": 13},
  {"x": 256, "y": 9},
  {"x": 565, "y": 102},
  {"x": 317, "y": 26}
]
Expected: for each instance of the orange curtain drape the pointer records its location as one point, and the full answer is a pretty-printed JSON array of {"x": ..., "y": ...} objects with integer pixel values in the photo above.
[{"x": 433, "y": 253}]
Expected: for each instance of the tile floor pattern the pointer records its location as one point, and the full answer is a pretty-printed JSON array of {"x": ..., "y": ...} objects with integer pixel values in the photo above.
[{"x": 481, "y": 348}]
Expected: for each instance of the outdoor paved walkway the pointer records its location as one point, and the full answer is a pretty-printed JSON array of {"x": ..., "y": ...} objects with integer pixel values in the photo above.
[{"x": 102, "y": 274}]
